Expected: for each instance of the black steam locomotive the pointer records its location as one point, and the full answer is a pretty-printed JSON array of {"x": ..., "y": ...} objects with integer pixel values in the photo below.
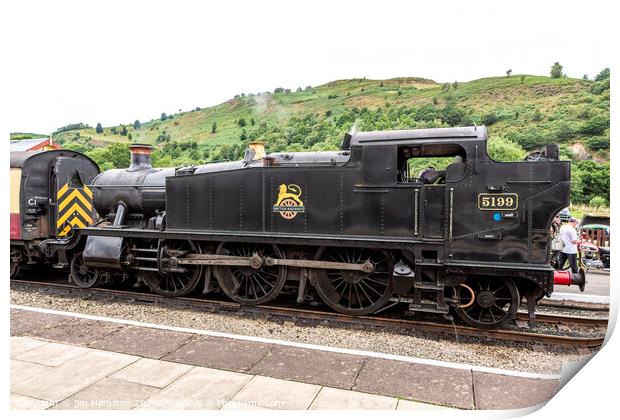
[{"x": 360, "y": 226}]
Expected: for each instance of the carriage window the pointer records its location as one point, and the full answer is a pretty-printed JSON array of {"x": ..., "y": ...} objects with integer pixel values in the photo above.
[{"x": 428, "y": 163}]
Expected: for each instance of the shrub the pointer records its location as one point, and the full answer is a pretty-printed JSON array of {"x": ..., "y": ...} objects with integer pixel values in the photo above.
[
  {"x": 163, "y": 116},
  {"x": 242, "y": 122},
  {"x": 328, "y": 113},
  {"x": 99, "y": 128},
  {"x": 213, "y": 127},
  {"x": 504, "y": 150},
  {"x": 603, "y": 75},
  {"x": 489, "y": 119},
  {"x": 556, "y": 70},
  {"x": 332, "y": 96},
  {"x": 596, "y": 125},
  {"x": 598, "y": 143},
  {"x": 598, "y": 201}
]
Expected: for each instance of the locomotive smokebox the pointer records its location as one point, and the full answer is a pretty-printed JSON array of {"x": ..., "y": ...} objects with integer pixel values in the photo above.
[
  {"x": 140, "y": 156},
  {"x": 140, "y": 190}
]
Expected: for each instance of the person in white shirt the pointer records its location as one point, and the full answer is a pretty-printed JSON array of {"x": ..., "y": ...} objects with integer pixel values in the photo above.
[{"x": 568, "y": 232}]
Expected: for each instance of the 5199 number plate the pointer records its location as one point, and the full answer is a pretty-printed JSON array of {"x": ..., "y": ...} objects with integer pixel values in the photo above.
[{"x": 498, "y": 201}]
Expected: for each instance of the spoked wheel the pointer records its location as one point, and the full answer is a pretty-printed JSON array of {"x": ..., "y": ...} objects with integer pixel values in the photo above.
[
  {"x": 16, "y": 257},
  {"x": 81, "y": 275},
  {"x": 354, "y": 292},
  {"x": 248, "y": 285},
  {"x": 487, "y": 302},
  {"x": 176, "y": 280}
]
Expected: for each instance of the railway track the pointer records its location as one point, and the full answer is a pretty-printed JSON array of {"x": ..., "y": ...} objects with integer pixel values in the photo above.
[{"x": 309, "y": 314}]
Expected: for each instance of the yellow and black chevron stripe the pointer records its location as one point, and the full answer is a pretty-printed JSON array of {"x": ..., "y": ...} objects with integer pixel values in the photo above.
[{"x": 75, "y": 208}]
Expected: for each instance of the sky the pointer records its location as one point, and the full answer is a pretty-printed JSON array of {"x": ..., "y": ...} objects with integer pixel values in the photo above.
[{"x": 117, "y": 61}]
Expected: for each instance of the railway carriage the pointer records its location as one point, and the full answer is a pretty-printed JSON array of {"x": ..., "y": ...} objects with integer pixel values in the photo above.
[
  {"x": 359, "y": 226},
  {"x": 49, "y": 197}
]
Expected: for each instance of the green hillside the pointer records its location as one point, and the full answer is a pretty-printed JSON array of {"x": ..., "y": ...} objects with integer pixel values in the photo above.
[{"x": 522, "y": 112}]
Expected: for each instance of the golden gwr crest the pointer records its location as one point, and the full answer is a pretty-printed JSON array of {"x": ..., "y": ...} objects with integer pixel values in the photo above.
[{"x": 289, "y": 202}]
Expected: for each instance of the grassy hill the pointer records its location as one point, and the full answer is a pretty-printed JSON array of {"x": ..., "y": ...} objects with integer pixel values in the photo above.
[{"x": 522, "y": 112}]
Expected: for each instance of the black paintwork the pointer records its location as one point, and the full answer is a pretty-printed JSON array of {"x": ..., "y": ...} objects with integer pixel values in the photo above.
[
  {"x": 361, "y": 196},
  {"x": 43, "y": 174}
]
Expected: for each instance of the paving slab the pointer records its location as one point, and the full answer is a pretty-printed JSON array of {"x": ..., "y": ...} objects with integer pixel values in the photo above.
[
  {"x": 220, "y": 353},
  {"x": 429, "y": 384},
  {"x": 310, "y": 366},
  {"x": 415, "y": 405},
  {"x": 199, "y": 389},
  {"x": 155, "y": 373},
  {"x": 28, "y": 322},
  {"x": 273, "y": 393},
  {"x": 23, "y": 344},
  {"x": 20, "y": 371},
  {"x": 340, "y": 399},
  {"x": 107, "y": 394},
  {"x": 79, "y": 331},
  {"x": 52, "y": 354},
  {"x": 72, "y": 376},
  {"x": 507, "y": 392},
  {"x": 21, "y": 402},
  {"x": 146, "y": 342}
]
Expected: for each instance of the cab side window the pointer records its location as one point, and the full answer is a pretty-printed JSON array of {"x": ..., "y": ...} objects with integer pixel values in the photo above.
[{"x": 429, "y": 163}]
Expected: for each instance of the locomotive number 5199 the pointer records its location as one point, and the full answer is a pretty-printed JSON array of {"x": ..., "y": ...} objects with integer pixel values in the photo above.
[{"x": 498, "y": 201}]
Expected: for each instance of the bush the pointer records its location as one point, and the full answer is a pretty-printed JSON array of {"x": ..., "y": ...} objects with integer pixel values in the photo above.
[
  {"x": 328, "y": 113},
  {"x": 332, "y": 96},
  {"x": 213, "y": 127},
  {"x": 603, "y": 75},
  {"x": 504, "y": 150},
  {"x": 599, "y": 87},
  {"x": 598, "y": 143},
  {"x": 598, "y": 202},
  {"x": 556, "y": 70},
  {"x": 242, "y": 122},
  {"x": 489, "y": 119},
  {"x": 596, "y": 125}
]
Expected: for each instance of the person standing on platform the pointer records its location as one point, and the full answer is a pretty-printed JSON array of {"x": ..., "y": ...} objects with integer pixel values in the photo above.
[{"x": 568, "y": 232}]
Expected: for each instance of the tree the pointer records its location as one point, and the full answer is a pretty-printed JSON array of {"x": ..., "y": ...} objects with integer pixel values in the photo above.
[
  {"x": 124, "y": 131},
  {"x": 604, "y": 74},
  {"x": 556, "y": 70},
  {"x": 585, "y": 77},
  {"x": 129, "y": 136},
  {"x": 163, "y": 116},
  {"x": 508, "y": 72},
  {"x": 99, "y": 128},
  {"x": 136, "y": 125},
  {"x": 455, "y": 84},
  {"x": 213, "y": 127},
  {"x": 522, "y": 78}
]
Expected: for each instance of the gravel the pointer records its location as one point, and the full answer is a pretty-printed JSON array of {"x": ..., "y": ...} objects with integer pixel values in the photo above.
[{"x": 481, "y": 352}]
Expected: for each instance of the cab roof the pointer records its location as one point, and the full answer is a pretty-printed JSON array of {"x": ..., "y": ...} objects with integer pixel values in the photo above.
[{"x": 460, "y": 134}]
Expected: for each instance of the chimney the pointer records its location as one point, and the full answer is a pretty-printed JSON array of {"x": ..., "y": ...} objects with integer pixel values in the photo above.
[
  {"x": 140, "y": 156},
  {"x": 259, "y": 149}
]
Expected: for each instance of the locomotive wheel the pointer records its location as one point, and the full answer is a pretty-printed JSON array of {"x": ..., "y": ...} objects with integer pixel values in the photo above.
[
  {"x": 173, "y": 284},
  {"x": 354, "y": 292},
  {"x": 248, "y": 285},
  {"x": 81, "y": 275},
  {"x": 15, "y": 263},
  {"x": 495, "y": 302}
]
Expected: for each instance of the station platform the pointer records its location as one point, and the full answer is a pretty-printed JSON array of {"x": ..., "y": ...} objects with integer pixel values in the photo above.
[{"x": 65, "y": 360}]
